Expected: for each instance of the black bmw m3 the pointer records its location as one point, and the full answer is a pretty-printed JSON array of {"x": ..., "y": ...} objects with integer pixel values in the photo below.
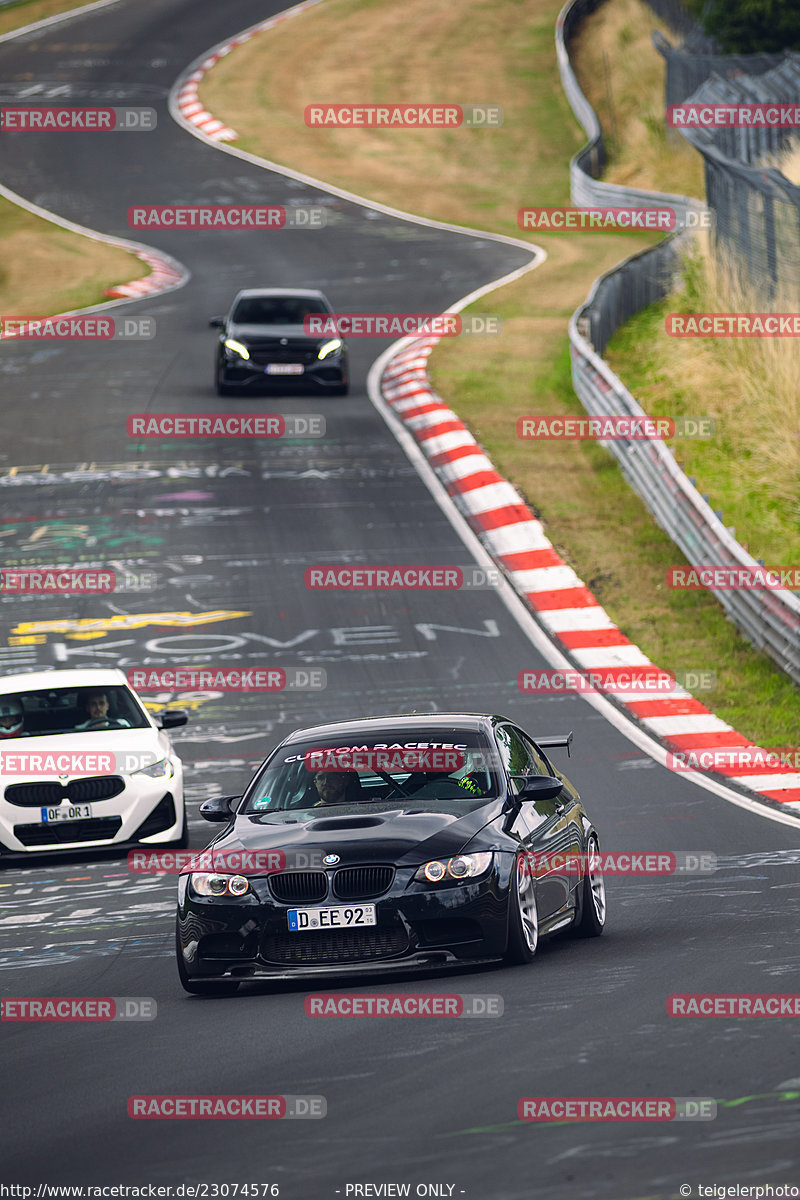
[{"x": 374, "y": 845}]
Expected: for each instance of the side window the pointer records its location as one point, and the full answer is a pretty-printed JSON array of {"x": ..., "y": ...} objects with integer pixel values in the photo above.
[
  {"x": 539, "y": 765},
  {"x": 516, "y": 752}
]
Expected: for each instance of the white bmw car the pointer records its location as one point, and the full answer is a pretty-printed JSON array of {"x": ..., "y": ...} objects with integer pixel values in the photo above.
[{"x": 83, "y": 764}]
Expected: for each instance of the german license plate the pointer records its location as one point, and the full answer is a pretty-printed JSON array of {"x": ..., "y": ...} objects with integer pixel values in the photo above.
[
  {"x": 354, "y": 917},
  {"x": 66, "y": 812},
  {"x": 284, "y": 368}
]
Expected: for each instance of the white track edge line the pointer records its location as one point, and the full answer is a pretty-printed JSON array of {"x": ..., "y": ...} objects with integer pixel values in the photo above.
[{"x": 56, "y": 19}]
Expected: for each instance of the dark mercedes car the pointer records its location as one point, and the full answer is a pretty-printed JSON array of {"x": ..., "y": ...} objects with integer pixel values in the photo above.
[
  {"x": 385, "y": 843},
  {"x": 266, "y": 340}
]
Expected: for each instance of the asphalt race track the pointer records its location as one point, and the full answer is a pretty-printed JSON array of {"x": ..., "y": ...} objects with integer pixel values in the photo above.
[{"x": 226, "y": 529}]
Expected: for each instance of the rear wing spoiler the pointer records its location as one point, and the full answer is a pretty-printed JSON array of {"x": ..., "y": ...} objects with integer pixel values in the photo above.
[{"x": 556, "y": 742}]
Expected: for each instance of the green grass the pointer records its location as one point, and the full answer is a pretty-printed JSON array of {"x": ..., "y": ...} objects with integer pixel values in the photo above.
[{"x": 769, "y": 528}]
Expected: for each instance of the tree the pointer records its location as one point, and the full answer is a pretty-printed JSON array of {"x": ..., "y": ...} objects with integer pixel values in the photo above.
[{"x": 749, "y": 26}]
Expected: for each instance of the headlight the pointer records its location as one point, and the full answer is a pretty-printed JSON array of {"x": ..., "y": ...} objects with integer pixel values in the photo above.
[
  {"x": 219, "y": 885},
  {"x": 463, "y": 866},
  {"x": 234, "y": 347},
  {"x": 163, "y": 769},
  {"x": 328, "y": 348}
]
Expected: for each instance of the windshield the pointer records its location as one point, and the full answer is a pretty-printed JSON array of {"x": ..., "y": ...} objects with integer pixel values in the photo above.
[
  {"x": 427, "y": 766},
  {"x": 276, "y": 310},
  {"x": 69, "y": 710}
]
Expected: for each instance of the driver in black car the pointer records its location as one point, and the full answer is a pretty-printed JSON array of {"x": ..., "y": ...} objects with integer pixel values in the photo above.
[
  {"x": 449, "y": 786},
  {"x": 336, "y": 787},
  {"x": 443, "y": 785},
  {"x": 95, "y": 704}
]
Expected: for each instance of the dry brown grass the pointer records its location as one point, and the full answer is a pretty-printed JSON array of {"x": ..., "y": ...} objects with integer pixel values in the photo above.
[
  {"x": 475, "y": 51},
  {"x": 622, "y": 75},
  {"x": 34, "y": 10},
  {"x": 756, "y": 379},
  {"x": 44, "y": 269}
]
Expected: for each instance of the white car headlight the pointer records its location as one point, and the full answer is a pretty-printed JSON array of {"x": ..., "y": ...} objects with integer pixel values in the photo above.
[
  {"x": 462, "y": 866},
  {"x": 234, "y": 347},
  {"x": 328, "y": 348},
  {"x": 163, "y": 769},
  {"x": 205, "y": 884}
]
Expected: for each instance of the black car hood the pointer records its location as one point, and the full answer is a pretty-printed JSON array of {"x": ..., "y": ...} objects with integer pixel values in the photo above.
[
  {"x": 255, "y": 333},
  {"x": 360, "y": 833}
]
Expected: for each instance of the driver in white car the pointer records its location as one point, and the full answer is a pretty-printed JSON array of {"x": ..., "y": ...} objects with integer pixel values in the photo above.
[
  {"x": 12, "y": 717},
  {"x": 95, "y": 705}
]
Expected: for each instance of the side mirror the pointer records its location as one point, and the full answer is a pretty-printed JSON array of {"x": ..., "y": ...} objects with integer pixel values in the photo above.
[
  {"x": 216, "y": 323},
  {"x": 171, "y": 718},
  {"x": 218, "y": 809},
  {"x": 541, "y": 787}
]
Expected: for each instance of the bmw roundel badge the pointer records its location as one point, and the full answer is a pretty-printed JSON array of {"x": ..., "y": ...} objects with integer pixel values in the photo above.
[{"x": 330, "y": 860}]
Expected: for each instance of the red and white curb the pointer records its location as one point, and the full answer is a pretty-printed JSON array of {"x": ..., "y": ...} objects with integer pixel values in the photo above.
[
  {"x": 190, "y": 106},
  {"x": 559, "y": 600},
  {"x": 164, "y": 275},
  {"x": 192, "y": 110}
]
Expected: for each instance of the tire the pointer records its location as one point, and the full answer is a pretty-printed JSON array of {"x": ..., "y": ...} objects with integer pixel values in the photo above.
[
  {"x": 202, "y": 987},
  {"x": 523, "y": 917},
  {"x": 591, "y": 920}
]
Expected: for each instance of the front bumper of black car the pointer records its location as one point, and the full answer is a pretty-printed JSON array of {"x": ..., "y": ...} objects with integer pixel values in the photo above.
[
  {"x": 320, "y": 373},
  {"x": 417, "y": 926}
]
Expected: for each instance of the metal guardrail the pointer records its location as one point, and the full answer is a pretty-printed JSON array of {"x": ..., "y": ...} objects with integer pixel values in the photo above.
[
  {"x": 586, "y": 189},
  {"x": 687, "y": 69},
  {"x": 756, "y": 208},
  {"x": 769, "y": 619}
]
